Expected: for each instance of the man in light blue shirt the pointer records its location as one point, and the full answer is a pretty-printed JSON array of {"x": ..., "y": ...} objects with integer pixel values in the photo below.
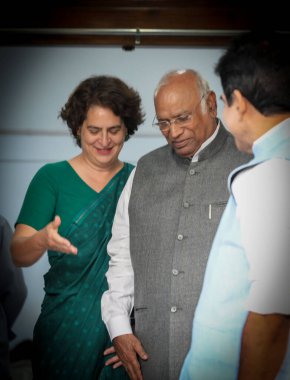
[{"x": 241, "y": 324}]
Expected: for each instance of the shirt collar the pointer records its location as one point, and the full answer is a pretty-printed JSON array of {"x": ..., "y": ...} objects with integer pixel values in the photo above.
[
  {"x": 206, "y": 143},
  {"x": 279, "y": 132}
]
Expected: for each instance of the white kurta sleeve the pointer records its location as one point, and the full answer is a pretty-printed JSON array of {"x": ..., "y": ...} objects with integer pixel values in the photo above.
[{"x": 117, "y": 302}]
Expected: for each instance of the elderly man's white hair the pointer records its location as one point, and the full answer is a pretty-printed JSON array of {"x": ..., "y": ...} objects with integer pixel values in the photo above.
[{"x": 202, "y": 84}]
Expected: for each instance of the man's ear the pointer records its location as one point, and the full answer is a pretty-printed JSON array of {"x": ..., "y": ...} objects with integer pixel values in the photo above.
[
  {"x": 211, "y": 103},
  {"x": 239, "y": 102}
]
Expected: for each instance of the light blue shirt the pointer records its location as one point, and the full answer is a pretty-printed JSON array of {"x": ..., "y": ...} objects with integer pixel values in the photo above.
[{"x": 221, "y": 312}]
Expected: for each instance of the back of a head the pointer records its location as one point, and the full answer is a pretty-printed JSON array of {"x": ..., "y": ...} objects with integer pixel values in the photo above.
[{"x": 258, "y": 65}]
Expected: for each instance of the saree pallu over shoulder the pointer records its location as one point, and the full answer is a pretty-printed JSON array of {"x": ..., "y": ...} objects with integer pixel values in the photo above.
[{"x": 70, "y": 336}]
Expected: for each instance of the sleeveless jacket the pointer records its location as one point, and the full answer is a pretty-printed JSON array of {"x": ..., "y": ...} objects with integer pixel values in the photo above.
[{"x": 174, "y": 209}]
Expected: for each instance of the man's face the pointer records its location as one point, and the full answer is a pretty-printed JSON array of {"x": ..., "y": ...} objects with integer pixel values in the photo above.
[{"x": 190, "y": 124}]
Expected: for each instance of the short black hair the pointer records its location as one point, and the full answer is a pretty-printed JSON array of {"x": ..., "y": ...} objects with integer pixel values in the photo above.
[{"x": 257, "y": 63}]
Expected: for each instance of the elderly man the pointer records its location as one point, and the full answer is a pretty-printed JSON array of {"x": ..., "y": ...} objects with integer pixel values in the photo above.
[{"x": 163, "y": 229}]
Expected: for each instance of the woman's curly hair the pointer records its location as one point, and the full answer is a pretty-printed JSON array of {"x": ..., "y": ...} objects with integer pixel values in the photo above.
[{"x": 104, "y": 91}]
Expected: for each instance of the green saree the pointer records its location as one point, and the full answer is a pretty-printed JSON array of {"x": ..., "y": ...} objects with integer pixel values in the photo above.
[{"x": 70, "y": 336}]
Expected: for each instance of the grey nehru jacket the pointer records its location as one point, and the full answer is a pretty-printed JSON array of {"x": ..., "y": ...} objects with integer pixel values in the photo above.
[{"x": 174, "y": 209}]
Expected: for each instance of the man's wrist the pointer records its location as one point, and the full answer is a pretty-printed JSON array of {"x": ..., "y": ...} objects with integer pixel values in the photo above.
[{"x": 119, "y": 326}]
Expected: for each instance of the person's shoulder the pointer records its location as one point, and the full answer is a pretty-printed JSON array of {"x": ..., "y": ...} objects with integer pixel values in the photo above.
[
  {"x": 51, "y": 166},
  {"x": 278, "y": 167},
  {"x": 54, "y": 168},
  {"x": 156, "y": 153},
  {"x": 51, "y": 171}
]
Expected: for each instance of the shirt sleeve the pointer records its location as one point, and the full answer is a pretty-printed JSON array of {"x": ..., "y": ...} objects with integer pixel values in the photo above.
[
  {"x": 117, "y": 302},
  {"x": 38, "y": 207},
  {"x": 263, "y": 209}
]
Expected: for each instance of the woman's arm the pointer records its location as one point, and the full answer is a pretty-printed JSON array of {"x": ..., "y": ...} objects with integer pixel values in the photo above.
[{"x": 28, "y": 245}]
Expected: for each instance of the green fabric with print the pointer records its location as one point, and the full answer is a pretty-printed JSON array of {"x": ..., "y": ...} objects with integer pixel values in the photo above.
[{"x": 70, "y": 336}]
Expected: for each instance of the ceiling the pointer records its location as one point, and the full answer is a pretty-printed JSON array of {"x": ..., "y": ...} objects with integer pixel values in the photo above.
[{"x": 132, "y": 23}]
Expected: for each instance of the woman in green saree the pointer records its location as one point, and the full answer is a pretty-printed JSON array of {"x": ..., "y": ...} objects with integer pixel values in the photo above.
[{"x": 68, "y": 211}]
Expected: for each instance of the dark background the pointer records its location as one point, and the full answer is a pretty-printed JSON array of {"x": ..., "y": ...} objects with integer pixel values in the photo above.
[{"x": 131, "y": 22}]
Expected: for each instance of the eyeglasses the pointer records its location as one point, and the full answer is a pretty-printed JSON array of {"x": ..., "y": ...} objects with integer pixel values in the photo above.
[{"x": 181, "y": 120}]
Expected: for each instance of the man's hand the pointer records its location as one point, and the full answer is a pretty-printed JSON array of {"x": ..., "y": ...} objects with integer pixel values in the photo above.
[
  {"x": 129, "y": 349},
  {"x": 114, "y": 360}
]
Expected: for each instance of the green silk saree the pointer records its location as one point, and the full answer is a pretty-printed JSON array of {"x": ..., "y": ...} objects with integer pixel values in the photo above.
[{"x": 70, "y": 336}]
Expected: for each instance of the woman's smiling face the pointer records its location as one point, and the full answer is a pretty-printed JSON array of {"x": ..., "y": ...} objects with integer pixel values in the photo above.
[{"x": 102, "y": 136}]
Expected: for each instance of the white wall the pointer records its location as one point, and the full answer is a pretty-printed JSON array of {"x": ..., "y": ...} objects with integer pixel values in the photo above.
[{"x": 35, "y": 83}]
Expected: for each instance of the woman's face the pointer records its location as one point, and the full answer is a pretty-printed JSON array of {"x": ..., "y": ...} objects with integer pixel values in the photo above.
[{"x": 102, "y": 136}]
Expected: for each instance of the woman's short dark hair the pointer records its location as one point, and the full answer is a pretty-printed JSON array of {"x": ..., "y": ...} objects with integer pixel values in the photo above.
[{"x": 104, "y": 91}]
